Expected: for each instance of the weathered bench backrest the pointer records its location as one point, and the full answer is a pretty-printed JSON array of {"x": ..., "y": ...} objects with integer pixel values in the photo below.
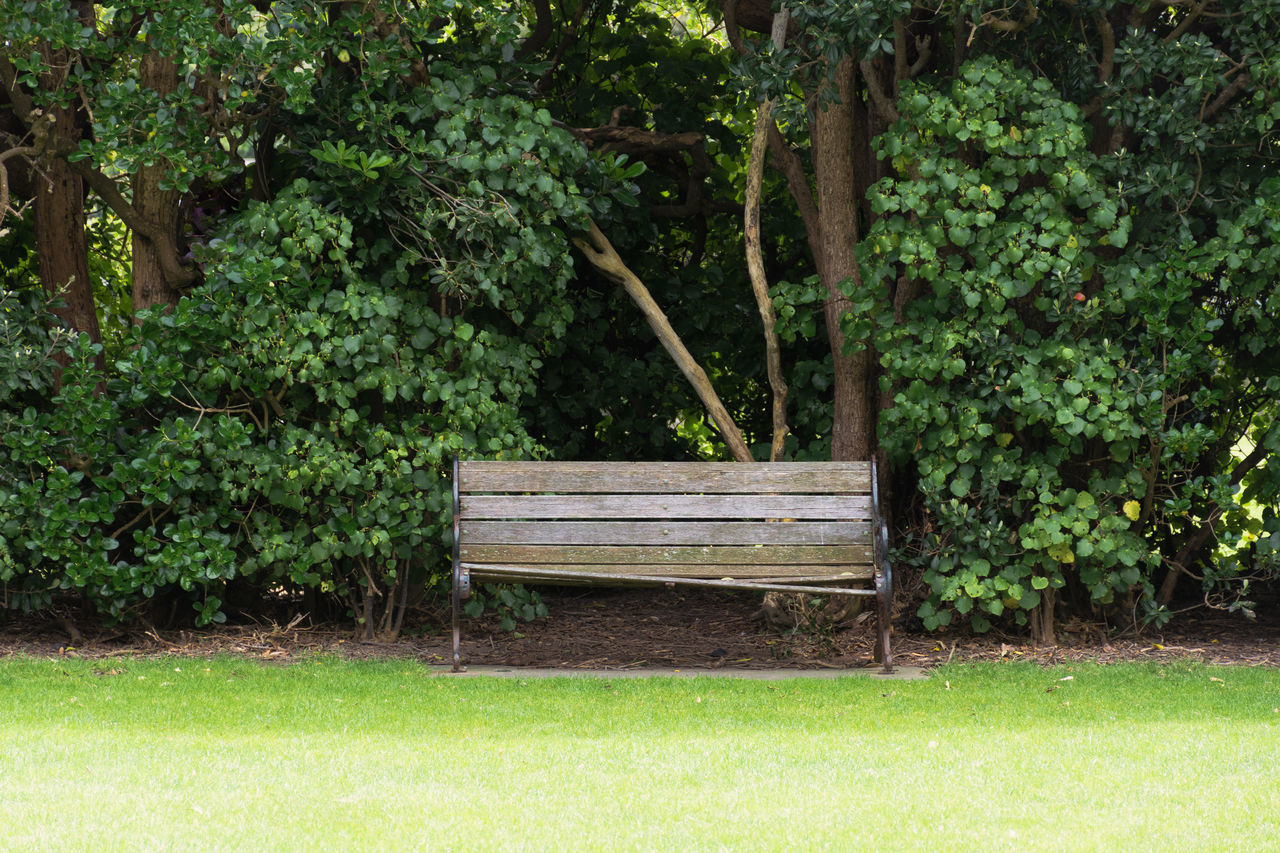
[{"x": 793, "y": 520}]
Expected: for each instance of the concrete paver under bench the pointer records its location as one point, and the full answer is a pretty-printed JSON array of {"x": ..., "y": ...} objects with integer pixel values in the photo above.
[{"x": 900, "y": 673}]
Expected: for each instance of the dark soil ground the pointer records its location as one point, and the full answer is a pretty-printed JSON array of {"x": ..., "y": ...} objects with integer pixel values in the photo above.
[{"x": 618, "y": 629}]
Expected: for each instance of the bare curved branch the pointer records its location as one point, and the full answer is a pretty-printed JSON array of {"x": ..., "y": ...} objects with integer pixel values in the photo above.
[
  {"x": 755, "y": 257},
  {"x": 600, "y": 252}
]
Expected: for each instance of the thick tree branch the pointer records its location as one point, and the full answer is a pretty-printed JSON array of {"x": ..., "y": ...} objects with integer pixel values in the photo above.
[
  {"x": 1235, "y": 87},
  {"x": 27, "y": 152},
  {"x": 1105, "y": 143},
  {"x": 176, "y": 273},
  {"x": 792, "y": 169},
  {"x": 786, "y": 160},
  {"x": 900, "y": 67},
  {"x": 23, "y": 106},
  {"x": 924, "y": 52},
  {"x": 388, "y": 27},
  {"x": 634, "y": 140},
  {"x": 884, "y": 104},
  {"x": 1178, "y": 565},
  {"x": 731, "y": 31},
  {"x": 665, "y": 152},
  {"x": 755, "y": 257},
  {"x": 543, "y": 27},
  {"x": 570, "y": 36},
  {"x": 600, "y": 252},
  {"x": 1197, "y": 9},
  {"x": 753, "y": 15},
  {"x": 1107, "y": 64},
  {"x": 994, "y": 20}
]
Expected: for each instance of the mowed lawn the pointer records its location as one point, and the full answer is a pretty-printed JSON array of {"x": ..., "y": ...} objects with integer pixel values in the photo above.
[{"x": 323, "y": 754}]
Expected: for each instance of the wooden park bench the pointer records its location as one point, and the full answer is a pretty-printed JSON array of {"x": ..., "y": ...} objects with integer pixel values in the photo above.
[{"x": 791, "y": 527}]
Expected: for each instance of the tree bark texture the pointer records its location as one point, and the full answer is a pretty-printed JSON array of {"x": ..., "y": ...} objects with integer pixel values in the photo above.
[
  {"x": 152, "y": 258},
  {"x": 62, "y": 248},
  {"x": 1044, "y": 629},
  {"x": 61, "y": 244},
  {"x": 853, "y": 419},
  {"x": 600, "y": 252}
]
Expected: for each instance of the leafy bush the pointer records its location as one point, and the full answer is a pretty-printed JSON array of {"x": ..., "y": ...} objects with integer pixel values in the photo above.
[
  {"x": 1065, "y": 400},
  {"x": 94, "y": 498},
  {"x": 289, "y": 422}
]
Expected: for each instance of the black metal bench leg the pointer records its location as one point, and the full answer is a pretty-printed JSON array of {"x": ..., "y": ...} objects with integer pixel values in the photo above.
[
  {"x": 457, "y": 574},
  {"x": 884, "y": 617},
  {"x": 457, "y": 629},
  {"x": 884, "y": 573},
  {"x": 886, "y": 655},
  {"x": 461, "y": 592}
]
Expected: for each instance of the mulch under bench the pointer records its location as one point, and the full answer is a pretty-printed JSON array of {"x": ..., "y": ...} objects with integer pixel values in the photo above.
[
  {"x": 617, "y": 628},
  {"x": 608, "y": 628},
  {"x": 611, "y": 627}
]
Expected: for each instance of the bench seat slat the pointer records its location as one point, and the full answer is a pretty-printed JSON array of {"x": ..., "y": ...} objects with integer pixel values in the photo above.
[
  {"x": 666, "y": 477},
  {"x": 665, "y": 533},
  {"x": 843, "y": 572},
  {"x": 665, "y": 506},
  {"x": 615, "y": 575},
  {"x": 800, "y": 556}
]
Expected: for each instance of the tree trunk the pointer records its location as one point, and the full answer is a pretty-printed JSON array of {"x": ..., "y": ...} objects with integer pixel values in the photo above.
[
  {"x": 61, "y": 244},
  {"x": 853, "y": 423},
  {"x": 158, "y": 207},
  {"x": 62, "y": 247},
  {"x": 1044, "y": 630}
]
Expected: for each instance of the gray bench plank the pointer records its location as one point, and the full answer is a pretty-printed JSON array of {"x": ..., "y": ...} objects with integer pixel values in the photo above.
[
  {"x": 659, "y": 533},
  {"x": 665, "y": 506},
  {"x": 749, "y": 574},
  {"x": 668, "y": 477},
  {"x": 613, "y": 577},
  {"x": 799, "y": 556}
]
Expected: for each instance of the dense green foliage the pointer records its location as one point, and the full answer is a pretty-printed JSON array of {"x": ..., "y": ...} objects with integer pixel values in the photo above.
[
  {"x": 1094, "y": 351},
  {"x": 1004, "y": 367},
  {"x": 383, "y": 309},
  {"x": 1067, "y": 226}
]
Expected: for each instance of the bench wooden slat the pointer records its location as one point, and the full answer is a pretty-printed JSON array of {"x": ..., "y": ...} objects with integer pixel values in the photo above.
[
  {"x": 615, "y": 576},
  {"x": 664, "y": 533},
  {"x": 800, "y": 556},
  {"x": 665, "y": 506},
  {"x": 823, "y": 579},
  {"x": 490, "y": 571},
  {"x": 667, "y": 477}
]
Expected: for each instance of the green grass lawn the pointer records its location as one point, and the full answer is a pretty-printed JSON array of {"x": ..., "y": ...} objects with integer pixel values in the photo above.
[{"x": 189, "y": 754}]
